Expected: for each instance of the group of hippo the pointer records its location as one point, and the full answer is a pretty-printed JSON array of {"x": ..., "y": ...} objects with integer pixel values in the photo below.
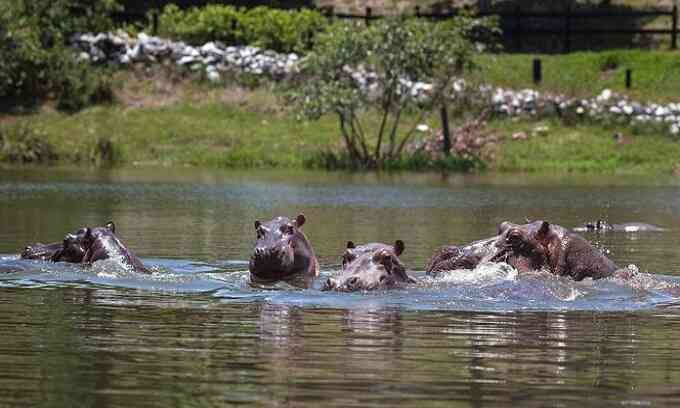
[{"x": 282, "y": 252}]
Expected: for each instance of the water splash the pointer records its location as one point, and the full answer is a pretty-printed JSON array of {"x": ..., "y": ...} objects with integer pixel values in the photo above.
[{"x": 490, "y": 287}]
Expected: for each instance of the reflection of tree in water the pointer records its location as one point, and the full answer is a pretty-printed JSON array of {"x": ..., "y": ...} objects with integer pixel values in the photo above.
[
  {"x": 281, "y": 329},
  {"x": 550, "y": 351},
  {"x": 374, "y": 340}
]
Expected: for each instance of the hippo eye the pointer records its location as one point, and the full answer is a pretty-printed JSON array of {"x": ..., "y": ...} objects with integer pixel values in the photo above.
[
  {"x": 514, "y": 237},
  {"x": 347, "y": 258},
  {"x": 287, "y": 229}
]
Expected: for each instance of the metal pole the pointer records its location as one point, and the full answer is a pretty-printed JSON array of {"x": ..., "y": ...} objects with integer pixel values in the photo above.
[
  {"x": 537, "y": 71},
  {"x": 445, "y": 130},
  {"x": 674, "y": 29},
  {"x": 518, "y": 28},
  {"x": 567, "y": 29}
]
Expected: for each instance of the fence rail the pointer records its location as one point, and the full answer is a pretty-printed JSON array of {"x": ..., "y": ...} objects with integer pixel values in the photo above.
[
  {"x": 568, "y": 16},
  {"x": 518, "y": 31}
]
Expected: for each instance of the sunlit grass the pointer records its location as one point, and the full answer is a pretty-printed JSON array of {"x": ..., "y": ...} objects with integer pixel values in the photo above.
[{"x": 582, "y": 74}]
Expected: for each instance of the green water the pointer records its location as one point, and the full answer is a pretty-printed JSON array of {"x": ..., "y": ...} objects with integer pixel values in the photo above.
[{"x": 195, "y": 334}]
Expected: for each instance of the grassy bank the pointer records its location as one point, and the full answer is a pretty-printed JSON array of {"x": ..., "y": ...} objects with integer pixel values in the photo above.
[
  {"x": 582, "y": 74},
  {"x": 162, "y": 118},
  {"x": 584, "y": 148}
]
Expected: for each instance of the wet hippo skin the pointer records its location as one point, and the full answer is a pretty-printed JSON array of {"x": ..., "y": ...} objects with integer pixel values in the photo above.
[
  {"x": 370, "y": 267},
  {"x": 282, "y": 251}
]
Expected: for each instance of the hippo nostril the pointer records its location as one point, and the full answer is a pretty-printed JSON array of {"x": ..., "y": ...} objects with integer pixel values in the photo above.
[
  {"x": 330, "y": 284},
  {"x": 382, "y": 279}
]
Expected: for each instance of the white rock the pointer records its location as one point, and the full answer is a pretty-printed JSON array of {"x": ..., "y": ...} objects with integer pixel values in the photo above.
[
  {"x": 214, "y": 76},
  {"x": 186, "y": 60}
]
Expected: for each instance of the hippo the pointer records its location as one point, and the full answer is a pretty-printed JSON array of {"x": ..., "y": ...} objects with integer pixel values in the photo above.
[
  {"x": 101, "y": 243},
  {"x": 539, "y": 245},
  {"x": 449, "y": 258},
  {"x": 282, "y": 252},
  {"x": 604, "y": 226},
  {"x": 43, "y": 252},
  {"x": 69, "y": 250},
  {"x": 370, "y": 267}
]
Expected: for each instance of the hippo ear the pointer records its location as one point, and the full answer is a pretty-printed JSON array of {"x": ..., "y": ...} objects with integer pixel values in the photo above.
[
  {"x": 350, "y": 245},
  {"x": 504, "y": 226},
  {"x": 111, "y": 226},
  {"x": 88, "y": 233},
  {"x": 381, "y": 256},
  {"x": 258, "y": 224},
  {"x": 300, "y": 220},
  {"x": 545, "y": 228},
  {"x": 399, "y": 247}
]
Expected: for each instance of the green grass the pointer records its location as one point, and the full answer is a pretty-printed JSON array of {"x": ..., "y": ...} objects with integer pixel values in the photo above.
[
  {"x": 211, "y": 135},
  {"x": 582, "y": 74},
  {"x": 585, "y": 148},
  {"x": 188, "y": 123}
]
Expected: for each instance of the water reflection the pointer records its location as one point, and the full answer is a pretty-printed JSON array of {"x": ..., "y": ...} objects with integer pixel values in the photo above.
[{"x": 197, "y": 334}]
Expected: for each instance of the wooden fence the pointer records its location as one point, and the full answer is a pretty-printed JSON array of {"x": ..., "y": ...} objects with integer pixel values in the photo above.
[{"x": 519, "y": 30}]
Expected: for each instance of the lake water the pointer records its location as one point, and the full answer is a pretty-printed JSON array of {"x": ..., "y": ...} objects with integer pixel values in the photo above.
[{"x": 195, "y": 333}]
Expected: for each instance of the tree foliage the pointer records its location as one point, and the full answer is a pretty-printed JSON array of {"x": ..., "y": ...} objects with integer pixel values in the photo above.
[
  {"x": 355, "y": 71},
  {"x": 274, "y": 29},
  {"x": 34, "y": 57}
]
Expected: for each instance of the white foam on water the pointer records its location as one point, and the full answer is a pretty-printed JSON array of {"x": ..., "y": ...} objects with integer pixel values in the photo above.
[{"x": 484, "y": 274}]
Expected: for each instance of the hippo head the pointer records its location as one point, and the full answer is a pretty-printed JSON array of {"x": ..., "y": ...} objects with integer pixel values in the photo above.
[
  {"x": 370, "y": 266},
  {"x": 75, "y": 246},
  {"x": 599, "y": 225},
  {"x": 38, "y": 251},
  {"x": 281, "y": 249},
  {"x": 525, "y": 247}
]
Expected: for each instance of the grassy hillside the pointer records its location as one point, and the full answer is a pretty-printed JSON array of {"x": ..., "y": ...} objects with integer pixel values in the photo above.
[{"x": 655, "y": 73}]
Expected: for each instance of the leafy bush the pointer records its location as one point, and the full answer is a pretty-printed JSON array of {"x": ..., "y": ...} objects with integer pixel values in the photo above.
[
  {"x": 22, "y": 144},
  {"x": 199, "y": 25},
  {"x": 34, "y": 58},
  {"x": 398, "y": 51},
  {"x": 279, "y": 30},
  {"x": 81, "y": 85}
]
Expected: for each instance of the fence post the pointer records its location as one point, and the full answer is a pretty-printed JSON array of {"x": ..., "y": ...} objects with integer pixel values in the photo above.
[
  {"x": 537, "y": 71},
  {"x": 330, "y": 12},
  {"x": 674, "y": 29},
  {"x": 368, "y": 16},
  {"x": 518, "y": 28},
  {"x": 417, "y": 11},
  {"x": 446, "y": 133},
  {"x": 629, "y": 78},
  {"x": 567, "y": 29},
  {"x": 154, "y": 22}
]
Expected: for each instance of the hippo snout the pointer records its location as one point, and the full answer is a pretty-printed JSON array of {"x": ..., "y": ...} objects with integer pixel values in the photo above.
[{"x": 330, "y": 284}]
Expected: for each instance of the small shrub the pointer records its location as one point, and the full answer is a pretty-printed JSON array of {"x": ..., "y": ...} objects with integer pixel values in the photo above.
[
  {"x": 82, "y": 85},
  {"x": 104, "y": 153},
  {"x": 609, "y": 62},
  {"x": 22, "y": 144},
  {"x": 200, "y": 25},
  {"x": 278, "y": 30},
  {"x": 281, "y": 30}
]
